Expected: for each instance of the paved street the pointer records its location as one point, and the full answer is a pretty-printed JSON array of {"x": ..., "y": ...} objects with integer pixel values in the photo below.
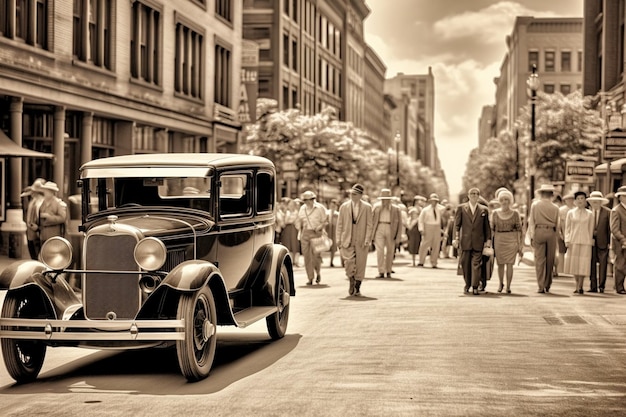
[{"x": 412, "y": 345}]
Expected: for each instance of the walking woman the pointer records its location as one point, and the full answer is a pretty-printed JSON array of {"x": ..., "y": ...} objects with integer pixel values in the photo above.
[
  {"x": 289, "y": 235},
  {"x": 506, "y": 229},
  {"x": 413, "y": 233},
  {"x": 579, "y": 225}
]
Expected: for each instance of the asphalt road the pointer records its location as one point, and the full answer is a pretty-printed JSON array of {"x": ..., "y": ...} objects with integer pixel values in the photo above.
[{"x": 412, "y": 345}]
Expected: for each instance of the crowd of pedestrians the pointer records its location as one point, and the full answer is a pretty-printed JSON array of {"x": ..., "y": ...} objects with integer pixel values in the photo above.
[{"x": 576, "y": 235}]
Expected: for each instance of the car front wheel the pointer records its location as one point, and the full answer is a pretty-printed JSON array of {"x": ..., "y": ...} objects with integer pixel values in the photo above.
[
  {"x": 22, "y": 358},
  {"x": 197, "y": 350},
  {"x": 277, "y": 322}
]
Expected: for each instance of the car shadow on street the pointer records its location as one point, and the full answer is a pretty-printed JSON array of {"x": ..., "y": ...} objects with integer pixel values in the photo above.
[{"x": 238, "y": 355}]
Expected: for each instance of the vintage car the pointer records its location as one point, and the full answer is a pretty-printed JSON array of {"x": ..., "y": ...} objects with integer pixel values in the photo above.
[{"x": 174, "y": 245}]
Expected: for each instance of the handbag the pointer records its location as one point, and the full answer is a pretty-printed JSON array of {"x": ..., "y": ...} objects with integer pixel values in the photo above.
[{"x": 322, "y": 243}]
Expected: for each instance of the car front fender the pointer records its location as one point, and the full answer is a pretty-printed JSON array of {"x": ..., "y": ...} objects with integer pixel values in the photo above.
[{"x": 190, "y": 275}]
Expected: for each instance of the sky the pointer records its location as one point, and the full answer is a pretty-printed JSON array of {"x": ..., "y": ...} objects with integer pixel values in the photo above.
[{"x": 464, "y": 42}]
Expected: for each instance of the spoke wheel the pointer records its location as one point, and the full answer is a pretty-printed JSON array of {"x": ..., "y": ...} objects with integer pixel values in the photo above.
[
  {"x": 22, "y": 358},
  {"x": 197, "y": 350},
  {"x": 277, "y": 322}
]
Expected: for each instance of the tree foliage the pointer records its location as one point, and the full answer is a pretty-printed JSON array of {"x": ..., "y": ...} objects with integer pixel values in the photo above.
[{"x": 319, "y": 148}]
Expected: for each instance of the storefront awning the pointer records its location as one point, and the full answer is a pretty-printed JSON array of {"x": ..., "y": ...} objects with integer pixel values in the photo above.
[
  {"x": 10, "y": 148},
  {"x": 616, "y": 167}
]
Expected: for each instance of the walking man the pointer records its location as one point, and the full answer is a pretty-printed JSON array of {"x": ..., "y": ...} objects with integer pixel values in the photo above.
[
  {"x": 387, "y": 226},
  {"x": 601, "y": 240},
  {"x": 543, "y": 222},
  {"x": 472, "y": 233},
  {"x": 618, "y": 230},
  {"x": 354, "y": 237},
  {"x": 431, "y": 228},
  {"x": 310, "y": 222}
]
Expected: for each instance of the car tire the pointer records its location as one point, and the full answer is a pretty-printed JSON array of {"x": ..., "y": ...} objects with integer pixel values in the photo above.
[
  {"x": 22, "y": 358},
  {"x": 197, "y": 350},
  {"x": 277, "y": 322}
]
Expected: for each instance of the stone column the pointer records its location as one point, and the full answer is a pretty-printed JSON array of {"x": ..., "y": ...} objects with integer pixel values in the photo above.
[{"x": 58, "y": 149}]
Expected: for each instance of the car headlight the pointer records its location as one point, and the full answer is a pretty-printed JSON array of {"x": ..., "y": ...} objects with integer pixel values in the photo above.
[
  {"x": 56, "y": 253},
  {"x": 150, "y": 254}
]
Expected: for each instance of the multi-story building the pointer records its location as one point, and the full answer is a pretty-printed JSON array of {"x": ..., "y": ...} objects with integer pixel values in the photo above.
[
  {"x": 374, "y": 113},
  {"x": 554, "y": 46},
  {"x": 603, "y": 75},
  {"x": 415, "y": 96},
  {"x": 88, "y": 79},
  {"x": 486, "y": 125}
]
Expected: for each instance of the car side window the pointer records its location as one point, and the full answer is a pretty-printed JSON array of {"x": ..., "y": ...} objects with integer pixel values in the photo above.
[
  {"x": 235, "y": 195},
  {"x": 265, "y": 192}
]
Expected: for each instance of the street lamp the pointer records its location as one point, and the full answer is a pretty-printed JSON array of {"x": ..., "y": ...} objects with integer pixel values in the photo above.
[
  {"x": 397, "y": 141},
  {"x": 533, "y": 84}
]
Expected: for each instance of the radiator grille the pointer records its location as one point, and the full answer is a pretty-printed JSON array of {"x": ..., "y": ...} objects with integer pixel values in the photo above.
[
  {"x": 174, "y": 258},
  {"x": 105, "y": 293}
]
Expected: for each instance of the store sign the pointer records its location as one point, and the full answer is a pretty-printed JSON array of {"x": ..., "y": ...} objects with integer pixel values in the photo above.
[
  {"x": 615, "y": 145},
  {"x": 249, "y": 85},
  {"x": 580, "y": 172}
]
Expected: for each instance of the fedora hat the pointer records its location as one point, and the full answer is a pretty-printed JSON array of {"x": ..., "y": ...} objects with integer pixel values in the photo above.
[
  {"x": 357, "y": 189},
  {"x": 597, "y": 196},
  {"x": 434, "y": 197},
  {"x": 50, "y": 185},
  {"x": 308, "y": 195},
  {"x": 569, "y": 196},
  {"x": 621, "y": 191},
  {"x": 385, "y": 194},
  {"x": 546, "y": 188},
  {"x": 419, "y": 198}
]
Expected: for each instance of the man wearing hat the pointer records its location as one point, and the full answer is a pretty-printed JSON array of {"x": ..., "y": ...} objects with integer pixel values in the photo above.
[
  {"x": 601, "y": 240},
  {"x": 354, "y": 237},
  {"x": 618, "y": 230},
  {"x": 543, "y": 223},
  {"x": 568, "y": 204},
  {"x": 52, "y": 213},
  {"x": 387, "y": 226},
  {"x": 430, "y": 225},
  {"x": 311, "y": 221},
  {"x": 35, "y": 194}
]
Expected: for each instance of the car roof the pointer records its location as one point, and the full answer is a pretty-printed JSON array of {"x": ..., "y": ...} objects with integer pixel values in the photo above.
[{"x": 169, "y": 164}]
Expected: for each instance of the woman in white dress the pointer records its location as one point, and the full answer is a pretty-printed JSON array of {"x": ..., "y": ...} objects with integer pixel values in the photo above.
[{"x": 578, "y": 241}]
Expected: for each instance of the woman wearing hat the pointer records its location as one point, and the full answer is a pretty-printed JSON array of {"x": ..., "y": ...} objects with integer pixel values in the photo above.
[
  {"x": 52, "y": 213},
  {"x": 579, "y": 227},
  {"x": 506, "y": 228},
  {"x": 311, "y": 222}
]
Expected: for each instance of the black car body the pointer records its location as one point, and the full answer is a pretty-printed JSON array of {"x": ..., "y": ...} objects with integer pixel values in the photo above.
[{"x": 174, "y": 245}]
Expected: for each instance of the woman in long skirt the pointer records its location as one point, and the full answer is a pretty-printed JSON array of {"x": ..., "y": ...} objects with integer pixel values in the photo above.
[
  {"x": 289, "y": 235},
  {"x": 506, "y": 229},
  {"x": 579, "y": 240},
  {"x": 413, "y": 234}
]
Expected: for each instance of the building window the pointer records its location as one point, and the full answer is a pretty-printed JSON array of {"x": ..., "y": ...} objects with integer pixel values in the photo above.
[
  {"x": 145, "y": 44},
  {"x": 285, "y": 97},
  {"x": 189, "y": 69},
  {"x": 286, "y": 50},
  {"x": 579, "y": 66},
  {"x": 26, "y": 20},
  {"x": 294, "y": 54},
  {"x": 533, "y": 59},
  {"x": 566, "y": 61},
  {"x": 566, "y": 89},
  {"x": 548, "y": 88},
  {"x": 549, "y": 61},
  {"x": 223, "y": 8},
  {"x": 222, "y": 75},
  {"x": 92, "y": 31}
]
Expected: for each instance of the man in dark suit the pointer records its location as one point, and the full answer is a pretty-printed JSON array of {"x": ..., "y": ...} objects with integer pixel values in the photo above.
[
  {"x": 601, "y": 239},
  {"x": 618, "y": 230},
  {"x": 472, "y": 234}
]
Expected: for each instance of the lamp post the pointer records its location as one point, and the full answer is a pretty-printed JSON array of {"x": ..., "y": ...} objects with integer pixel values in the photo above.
[
  {"x": 533, "y": 84},
  {"x": 396, "y": 139}
]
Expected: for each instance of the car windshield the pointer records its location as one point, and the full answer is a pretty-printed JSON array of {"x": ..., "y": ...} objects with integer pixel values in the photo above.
[{"x": 187, "y": 192}]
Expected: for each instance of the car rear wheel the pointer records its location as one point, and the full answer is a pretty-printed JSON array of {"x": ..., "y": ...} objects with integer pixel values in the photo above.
[
  {"x": 197, "y": 350},
  {"x": 22, "y": 358},
  {"x": 277, "y": 322}
]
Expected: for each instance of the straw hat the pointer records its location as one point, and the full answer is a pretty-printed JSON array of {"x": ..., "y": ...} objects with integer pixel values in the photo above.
[
  {"x": 597, "y": 196},
  {"x": 434, "y": 197},
  {"x": 385, "y": 194},
  {"x": 621, "y": 191},
  {"x": 546, "y": 188},
  {"x": 50, "y": 185},
  {"x": 308, "y": 195},
  {"x": 419, "y": 198}
]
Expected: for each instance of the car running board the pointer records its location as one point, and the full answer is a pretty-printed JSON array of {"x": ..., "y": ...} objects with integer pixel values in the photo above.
[{"x": 253, "y": 314}]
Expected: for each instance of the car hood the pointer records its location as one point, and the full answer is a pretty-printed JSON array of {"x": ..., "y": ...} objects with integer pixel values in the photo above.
[{"x": 157, "y": 223}]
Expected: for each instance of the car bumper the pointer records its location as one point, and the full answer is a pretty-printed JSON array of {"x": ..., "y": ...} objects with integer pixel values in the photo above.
[{"x": 90, "y": 330}]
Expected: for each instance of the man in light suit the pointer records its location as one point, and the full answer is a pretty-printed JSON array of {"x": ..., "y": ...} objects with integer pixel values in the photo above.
[
  {"x": 387, "y": 226},
  {"x": 618, "y": 230},
  {"x": 601, "y": 240},
  {"x": 430, "y": 225},
  {"x": 543, "y": 222},
  {"x": 472, "y": 234},
  {"x": 354, "y": 237}
]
